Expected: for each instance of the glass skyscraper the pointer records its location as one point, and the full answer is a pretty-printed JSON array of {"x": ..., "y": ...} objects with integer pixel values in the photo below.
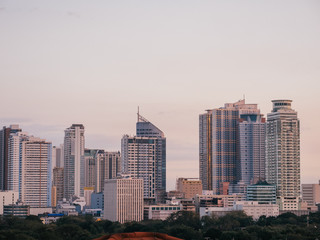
[{"x": 225, "y": 142}]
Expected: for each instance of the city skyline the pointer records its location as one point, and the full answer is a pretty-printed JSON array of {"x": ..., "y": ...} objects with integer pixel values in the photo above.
[{"x": 94, "y": 63}]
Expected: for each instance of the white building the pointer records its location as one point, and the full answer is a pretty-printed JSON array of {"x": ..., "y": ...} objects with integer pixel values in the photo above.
[
  {"x": 213, "y": 200},
  {"x": 160, "y": 212},
  {"x": 14, "y": 159},
  {"x": 35, "y": 175},
  {"x": 139, "y": 160},
  {"x": 66, "y": 208},
  {"x": 311, "y": 193},
  {"x": 123, "y": 199},
  {"x": 283, "y": 154},
  {"x": 214, "y": 211},
  {"x": 7, "y": 198},
  {"x": 74, "y": 174},
  {"x": 255, "y": 210}
]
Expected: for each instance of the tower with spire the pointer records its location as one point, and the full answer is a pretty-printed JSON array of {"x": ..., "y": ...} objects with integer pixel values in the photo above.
[{"x": 144, "y": 156}]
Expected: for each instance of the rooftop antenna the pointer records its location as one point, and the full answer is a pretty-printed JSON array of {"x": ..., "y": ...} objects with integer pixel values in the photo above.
[{"x": 138, "y": 115}]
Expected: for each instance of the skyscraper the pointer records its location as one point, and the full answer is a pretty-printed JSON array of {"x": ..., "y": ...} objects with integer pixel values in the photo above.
[
  {"x": 144, "y": 156},
  {"x": 138, "y": 159},
  {"x": 74, "y": 175},
  {"x": 107, "y": 167},
  {"x": 99, "y": 166},
  {"x": 145, "y": 128},
  {"x": 58, "y": 183},
  {"x": 35, "y": 175},
  {"x": 283, "y": 153},
  {"x": 4, "y": 154},
  {"x": 14, "y": 159},
  {"x": 57, "y": 156},
  {"x": 251, "y": 147},
  {"x": 90, "y": 167},
  {"x": 219, "y": 138}
]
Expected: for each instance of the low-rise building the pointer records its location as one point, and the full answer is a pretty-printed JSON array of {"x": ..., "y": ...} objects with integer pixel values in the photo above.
[
  {"x": 66, "y": 208},
  {"x": 40, "y": 210},
  {"x": 188, "y": 205},
  {"x": 160, "y": 212},
  {"x": 210, "y": 200},
  {"x": 255, "y": 210},
  {"x": 18, "y": 210},
  {"x": 214, "y": 211},
  {"x": 8, "y": 197},
  {"x": 311, "y": 193},
  {"x": 189, "y": 187},
  {"x": 262, "y": 192},
  {"x": 51, "y": 218},
  {"x": 97, "y": 200}
]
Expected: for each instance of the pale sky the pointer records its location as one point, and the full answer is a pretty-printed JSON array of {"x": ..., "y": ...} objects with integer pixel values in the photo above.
[{"x": 93, "y": 62}]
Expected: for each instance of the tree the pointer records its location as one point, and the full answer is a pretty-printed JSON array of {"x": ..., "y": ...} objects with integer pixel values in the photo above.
[{"x": 186, "y": 218}]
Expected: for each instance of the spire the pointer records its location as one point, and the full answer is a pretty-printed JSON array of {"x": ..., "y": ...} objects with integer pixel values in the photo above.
[{"x": 140, "y": 118}]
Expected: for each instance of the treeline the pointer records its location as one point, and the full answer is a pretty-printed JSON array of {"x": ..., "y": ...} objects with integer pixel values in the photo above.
[{"x": 185, "y": 225}]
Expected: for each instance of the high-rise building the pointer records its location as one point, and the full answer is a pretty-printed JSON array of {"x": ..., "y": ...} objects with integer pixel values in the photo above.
[
  {"x": 189, "y": 187},
  {"x": 99, "y": 166},
  {"x": 58, "y": 183},
  {"x": 57, "y": 156},
  {"x": 311, "y": 193},
  {"x": 4, "y": 154},
  {"x": 144, "y": 156},
  {"x": 138, "y": 159},
  {"x": 35, "y": 174},
  {"x": 123, "y": 199},
  {"x": 283, "y": 153},
  {"x": 14, "y": 159},
  {"x": 251, "y": 147},
  {"x": 145, "y": 128},
  {"x": 107, "y": 167},
  {"x": 74, "y": 169},
  {"x": 90, "y": 167},
  {"x": 219, "y": 144}
]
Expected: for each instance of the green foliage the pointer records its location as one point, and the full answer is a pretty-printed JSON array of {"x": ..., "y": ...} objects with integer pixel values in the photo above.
[
  {"x": 185, "y": 225},
  {"x": 184, "y": 232}
]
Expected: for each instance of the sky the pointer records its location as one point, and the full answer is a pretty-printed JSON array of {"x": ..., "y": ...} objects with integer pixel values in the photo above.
[{"x": 94, "y": 62}]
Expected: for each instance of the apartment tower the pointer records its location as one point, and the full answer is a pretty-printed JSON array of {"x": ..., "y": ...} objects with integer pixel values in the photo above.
[
  {"x": 4, "y": 154},
  {"x": 35, "y": 174},
  {"x": 283, "y": 153},
  {"x": 74, "y": 174},
  {"x": 219, "y": 144}
]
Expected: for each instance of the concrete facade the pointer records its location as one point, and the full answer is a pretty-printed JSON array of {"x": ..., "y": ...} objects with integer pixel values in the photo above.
[
  {"x": 123, "y": 199},
  {"x": 74, "y": 175},
  {"x": 283, "y": 153}
]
